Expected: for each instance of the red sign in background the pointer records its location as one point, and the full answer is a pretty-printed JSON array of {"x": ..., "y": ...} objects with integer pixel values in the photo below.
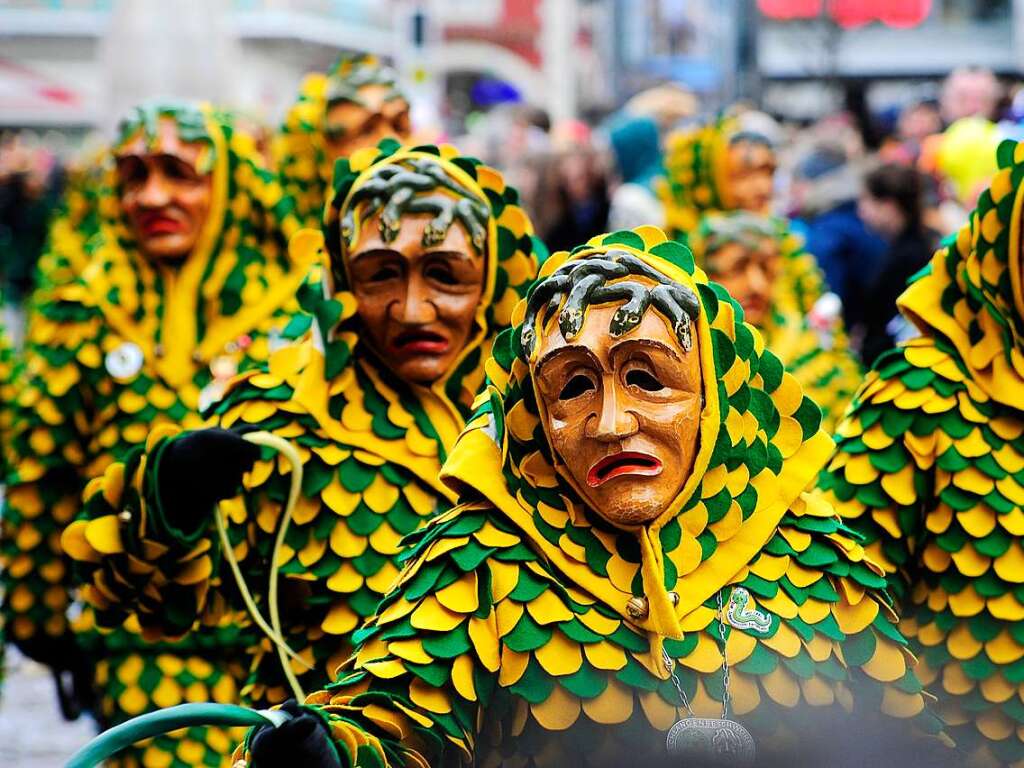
[{"x": 850, "y": 13}]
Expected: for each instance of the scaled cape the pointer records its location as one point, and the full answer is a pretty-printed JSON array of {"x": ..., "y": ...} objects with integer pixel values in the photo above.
[
  {"x": 928, "y": 468},
  {"x": 507, "y": 639}
]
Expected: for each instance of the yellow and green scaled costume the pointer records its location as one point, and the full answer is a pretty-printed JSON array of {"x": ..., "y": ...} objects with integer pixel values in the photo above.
[
  {"x": 930, "y": 469},
  {"x": 122, "y": 349},
  {"x": 371, "y": 445},
  {"x": 818, "y": 357},
  {"x": 509, "y": 639},
  {"x": 299, "y": 150},
  {"x": 73, "y": 223}
]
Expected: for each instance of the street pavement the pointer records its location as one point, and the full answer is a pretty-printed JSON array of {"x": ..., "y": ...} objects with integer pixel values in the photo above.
[{"x": 32, "y": 732}]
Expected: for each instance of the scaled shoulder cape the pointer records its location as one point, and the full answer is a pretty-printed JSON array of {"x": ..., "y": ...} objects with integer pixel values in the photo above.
[{"x": 930, "y": 469}]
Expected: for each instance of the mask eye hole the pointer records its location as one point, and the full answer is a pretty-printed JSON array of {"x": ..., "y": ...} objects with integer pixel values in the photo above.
[
  {"x": 638, "y": 377},
  {"x": 576, "y": 386}
]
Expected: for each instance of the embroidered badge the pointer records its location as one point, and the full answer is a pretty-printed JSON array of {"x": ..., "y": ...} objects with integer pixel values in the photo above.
[{"x": 742, "y": 615}]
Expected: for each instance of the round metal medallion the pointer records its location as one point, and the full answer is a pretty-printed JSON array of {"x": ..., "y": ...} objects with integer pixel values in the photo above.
[
  {"x": 711, "y": 742},
  {"x": 124, "y": 361}
]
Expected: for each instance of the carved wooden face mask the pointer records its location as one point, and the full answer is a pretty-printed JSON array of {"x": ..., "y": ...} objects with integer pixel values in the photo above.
[
  {"x": 417, "y": 302},
  {"x": 373, "y": 112},
  {"x": 164, "y": 194},
  {"x": 747, "y": 268},
  {"x": 750, "y": 174},
  {"x": 416, "y": 264},
  {"x": 622, "y": 409}
]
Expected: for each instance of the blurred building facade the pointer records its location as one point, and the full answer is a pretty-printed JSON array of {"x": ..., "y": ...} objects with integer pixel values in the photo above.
[
  {"x": 62, "y": 62},
  {"x": 571, "y": 57}
]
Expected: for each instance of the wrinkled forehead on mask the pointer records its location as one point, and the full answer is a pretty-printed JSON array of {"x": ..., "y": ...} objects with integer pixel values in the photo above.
[
  {"x": 392, "y": 190},
  {"x": 162, "y": 127},
  {"x": 612, "y": 277}
]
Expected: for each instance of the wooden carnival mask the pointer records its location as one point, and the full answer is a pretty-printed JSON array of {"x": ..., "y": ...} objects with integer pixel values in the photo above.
[
  {"x": 165, "y": 190},
  {"x": 742, "y": 253},
  {"x": 749, "y": 173},
  {"x": 620, "y": 387},
  {"x": 363, "y": 107},
  {"x": 416, "y": 264}
]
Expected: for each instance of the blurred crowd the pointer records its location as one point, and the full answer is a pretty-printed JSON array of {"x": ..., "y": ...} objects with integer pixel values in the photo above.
[{"x": 871, "y": 194}]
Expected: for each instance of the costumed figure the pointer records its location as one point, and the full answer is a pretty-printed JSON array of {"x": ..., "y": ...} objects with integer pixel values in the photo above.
[
  {"x": 929, "y": 470},
  {"x": 632, "y": 544},
  {"x": 729, "y": 165},
  {"x": 187, "y": 282},
  {"x": 741, "y": 251},
  {"x": 353, "y": 105},
  {"x": 427, "y": 254}
]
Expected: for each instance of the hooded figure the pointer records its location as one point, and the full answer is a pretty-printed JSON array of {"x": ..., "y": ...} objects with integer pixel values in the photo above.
[
  {"x": 631, "y": 509},
  {"x": 187, "y": 281},
  {"x": 636, "y": 147},
  {"x": 928, "y": 469},
  {"x": 741, "y": 251},
  {"x": 353, "y": 105},
  {"x": 427, "y": 253},
  {"x": 724, "y": 165}
]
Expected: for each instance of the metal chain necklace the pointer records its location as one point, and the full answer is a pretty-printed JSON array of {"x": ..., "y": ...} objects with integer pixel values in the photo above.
[{"x": 706, "y": 741}]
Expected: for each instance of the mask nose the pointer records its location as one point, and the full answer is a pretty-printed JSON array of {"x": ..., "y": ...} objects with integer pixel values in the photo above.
[
  {"x": 416, "y": 307},
  {"x": 613, "y": 423},
  {"x": 153, "y": 193}
]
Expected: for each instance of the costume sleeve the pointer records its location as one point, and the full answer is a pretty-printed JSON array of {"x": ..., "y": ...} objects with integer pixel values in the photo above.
[
  {"x": 133, "y": 559},
  {"x": 427, "y": 662},
  {"x": 45, "y": 457},
  {"x": 928, "y": 469}
]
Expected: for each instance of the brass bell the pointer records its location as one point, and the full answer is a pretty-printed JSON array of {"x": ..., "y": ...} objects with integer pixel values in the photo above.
[{"x": 637, "y": 607}]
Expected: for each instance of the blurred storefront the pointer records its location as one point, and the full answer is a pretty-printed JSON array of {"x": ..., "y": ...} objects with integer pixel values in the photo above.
[{"x": 850, "y": 42}]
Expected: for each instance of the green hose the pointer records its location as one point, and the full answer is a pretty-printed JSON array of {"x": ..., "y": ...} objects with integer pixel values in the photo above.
[{"x": 163, "y": 721}]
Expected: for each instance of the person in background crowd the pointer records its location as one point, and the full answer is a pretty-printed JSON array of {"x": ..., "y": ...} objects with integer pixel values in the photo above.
[
  {"x": 825, "y": 190},
  {"x": 574, "y": 192},
  {"x": 186, "y": 282},
  {"x": 891, "y": 204},
  {"x": 636, "y": 149},
  {"x": 970, "y": 92},
  {"x": 30, "y": 184},
  {"x": 917, "y": 121}
]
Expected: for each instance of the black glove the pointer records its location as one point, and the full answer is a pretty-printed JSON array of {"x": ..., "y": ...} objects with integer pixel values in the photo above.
[
  {"x": 304, "y": 740},
  {"x": 198, "y": 469}
]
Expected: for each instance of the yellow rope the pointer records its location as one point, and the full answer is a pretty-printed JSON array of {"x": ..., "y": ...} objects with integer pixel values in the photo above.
[{"x": 273, "y": 629}]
